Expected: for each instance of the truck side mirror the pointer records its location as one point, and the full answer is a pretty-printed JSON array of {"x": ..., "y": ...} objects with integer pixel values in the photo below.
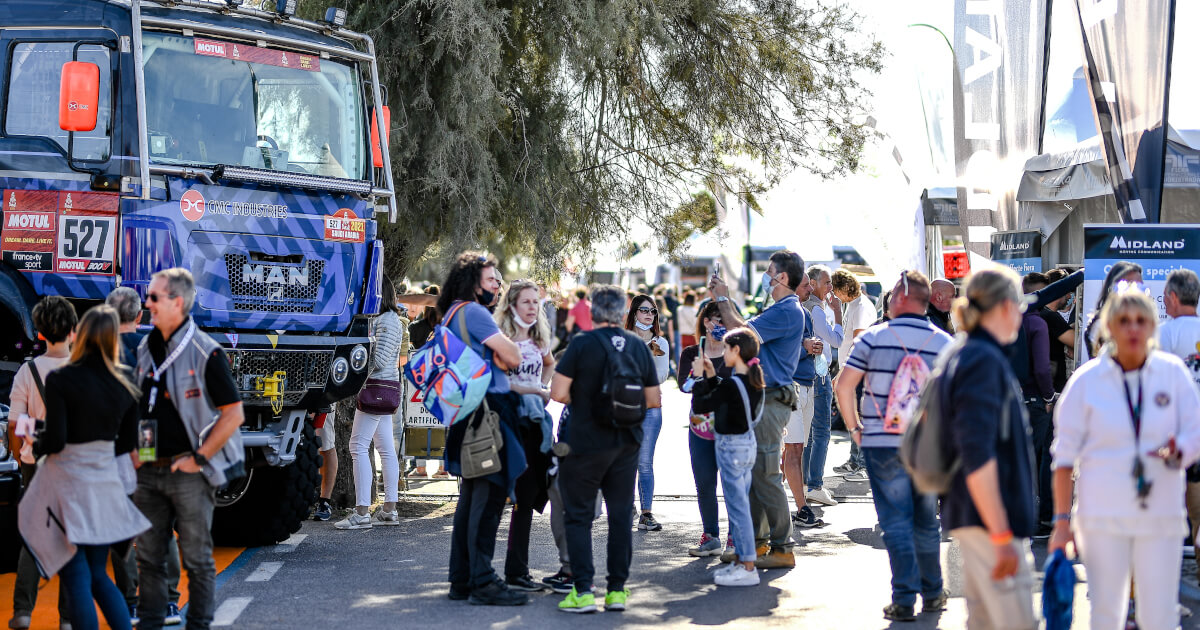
[
  {"x": 79, "y": 96},
  {"x": 376, "y": 146}
]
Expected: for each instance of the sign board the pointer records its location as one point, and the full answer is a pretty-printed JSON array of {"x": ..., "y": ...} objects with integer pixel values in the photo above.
[
  {"x": 1020, "y": 250},
  {"x": 415, "y": 414},
  {"x": 939, "y": 210},
  {"x": 60, "y": 231}
]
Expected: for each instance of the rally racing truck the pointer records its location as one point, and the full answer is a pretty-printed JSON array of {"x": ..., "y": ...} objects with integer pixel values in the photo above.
[{"x": 240, "y": 143}]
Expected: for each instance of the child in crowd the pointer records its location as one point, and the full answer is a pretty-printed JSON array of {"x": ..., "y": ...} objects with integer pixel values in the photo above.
[{"x": 736, "y": 404}]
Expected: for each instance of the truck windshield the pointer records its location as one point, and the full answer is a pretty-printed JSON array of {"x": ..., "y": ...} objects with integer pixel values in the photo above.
[{"x": 214, "y": 102}]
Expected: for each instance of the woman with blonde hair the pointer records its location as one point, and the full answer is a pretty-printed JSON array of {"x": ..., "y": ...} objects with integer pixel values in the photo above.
[
  {"x": 1125, "y": 428},
  {"x": 521, "y": 317},
  {"x": 989, "y": 508},
  {"x": 91, "y": 423}
]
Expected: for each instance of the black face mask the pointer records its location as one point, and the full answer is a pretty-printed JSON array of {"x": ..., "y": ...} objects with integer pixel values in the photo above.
[{"x": 486, "y": 297}]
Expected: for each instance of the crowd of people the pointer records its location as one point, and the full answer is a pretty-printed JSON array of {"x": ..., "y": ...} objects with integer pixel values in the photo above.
[{"x": 1094, "y": 456}]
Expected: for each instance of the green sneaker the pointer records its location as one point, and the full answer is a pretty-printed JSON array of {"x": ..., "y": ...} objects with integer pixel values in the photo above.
[
  {"x": 576, "y": 603},
  {"x": 615, "y": 600}
]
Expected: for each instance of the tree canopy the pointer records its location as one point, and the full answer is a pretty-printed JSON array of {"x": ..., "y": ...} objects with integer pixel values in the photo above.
[{"x": 553, "y": 125}]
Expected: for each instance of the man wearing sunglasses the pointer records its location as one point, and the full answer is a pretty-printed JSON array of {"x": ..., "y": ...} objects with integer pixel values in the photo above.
[{"x": 184, "y": 456}]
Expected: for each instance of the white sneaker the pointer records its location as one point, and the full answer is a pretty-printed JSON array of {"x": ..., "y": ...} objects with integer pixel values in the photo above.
[
  {"x": 820, "y": 495},
  {"x": 726, "y": 568},
  {"x": 354, "y": 521},
  {"x": 386, "y": 518},
  {"x": 738, "y": 576}
]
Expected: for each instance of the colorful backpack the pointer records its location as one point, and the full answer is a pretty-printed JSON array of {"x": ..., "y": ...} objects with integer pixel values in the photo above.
[
  {"x": 905, "y": 392},
  {"x": 451, "y": 376}
]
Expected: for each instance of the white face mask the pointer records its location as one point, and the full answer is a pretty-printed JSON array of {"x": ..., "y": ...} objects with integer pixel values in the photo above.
[
  {"x": 518, "y": 321},
  {"x": 642, "y": 326}
]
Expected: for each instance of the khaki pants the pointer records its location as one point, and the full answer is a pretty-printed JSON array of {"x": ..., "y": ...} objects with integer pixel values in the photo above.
[
  {"x": 1192, "y": 498},
  {"x": 995, "y": 604}
]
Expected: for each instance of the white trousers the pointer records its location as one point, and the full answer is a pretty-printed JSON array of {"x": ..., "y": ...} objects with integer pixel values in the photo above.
[
  {"x": 1111, "y": 560},
  {"x": 378, "y": 428}
]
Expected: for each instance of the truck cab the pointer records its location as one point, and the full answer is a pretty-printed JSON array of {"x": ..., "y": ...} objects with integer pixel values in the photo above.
[{"x": 239, "y": 143}]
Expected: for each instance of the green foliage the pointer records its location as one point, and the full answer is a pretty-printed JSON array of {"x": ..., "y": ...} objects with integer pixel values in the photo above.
[{"x": 553, "y": 125}]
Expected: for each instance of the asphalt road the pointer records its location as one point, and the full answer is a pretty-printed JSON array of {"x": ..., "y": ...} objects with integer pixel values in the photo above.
[{"x": 396, "y": 577}]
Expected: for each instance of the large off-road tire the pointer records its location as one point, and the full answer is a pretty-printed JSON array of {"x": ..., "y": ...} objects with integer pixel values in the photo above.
[{"x": 275, "y": 501}]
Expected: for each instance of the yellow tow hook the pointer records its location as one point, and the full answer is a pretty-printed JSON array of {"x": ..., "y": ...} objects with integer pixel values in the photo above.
[{"x": 272, "y": 389}]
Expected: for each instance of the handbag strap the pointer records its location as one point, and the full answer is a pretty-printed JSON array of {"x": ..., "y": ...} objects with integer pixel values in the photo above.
[
  {"x": 463, "y": 334},
  {"x": 37, "y": 378},
  {"x": 746, "y": 403}
]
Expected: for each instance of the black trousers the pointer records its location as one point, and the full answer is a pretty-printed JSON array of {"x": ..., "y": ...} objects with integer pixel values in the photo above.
[
  {"x": 612, "y": 472},
  {"x": 473, "y": 540},
  {"x": 1041, "y": 424},
  {"x": 531, "y": 494}
]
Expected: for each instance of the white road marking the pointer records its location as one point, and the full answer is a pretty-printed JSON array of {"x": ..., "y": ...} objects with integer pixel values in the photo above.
[
  {"x": 264, "y": 572},
  {"x": 229, "y": 610},
  {"x": 290, "y": 544}
]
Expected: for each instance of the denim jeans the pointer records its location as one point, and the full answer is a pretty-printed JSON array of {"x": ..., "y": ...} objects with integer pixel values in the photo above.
[
  {"x": 911, "y": 532},
  {"x": 735, "y": 459},
  {"x": 818, "y": 437},
  {"x": 185, "y": 500},
  {"x": 704, "y": 471},
  {"x": 84, "y": 578},
  {"x": 651, "y": 426},
  {"x": 1041, "y": 425},
  {"x": 856, "y": 455},
  {"x": 126, "y": 578}
]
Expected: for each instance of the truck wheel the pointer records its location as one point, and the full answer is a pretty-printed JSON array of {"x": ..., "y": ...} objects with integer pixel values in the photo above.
[{"x": 273, "y": 502}]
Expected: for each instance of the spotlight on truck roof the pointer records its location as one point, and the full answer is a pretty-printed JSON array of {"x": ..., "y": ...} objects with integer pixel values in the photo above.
[
  {"x": 285, "y": 8},
  {"x": 335, "y": 17},
  {"x": 233, "y": 4}
]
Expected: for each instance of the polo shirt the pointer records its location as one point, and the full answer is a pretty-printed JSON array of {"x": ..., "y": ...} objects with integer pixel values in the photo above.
[{"x": 780, "y": 330}]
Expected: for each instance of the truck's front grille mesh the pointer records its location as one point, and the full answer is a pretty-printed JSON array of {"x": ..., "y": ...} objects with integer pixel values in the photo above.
[
  {"x": 276, "y": 288},
  {"x": 304, "y": 368}
]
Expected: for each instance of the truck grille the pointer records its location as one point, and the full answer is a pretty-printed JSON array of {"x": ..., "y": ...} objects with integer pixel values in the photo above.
[
  {"x": 305, "y": 369},
  {"x": 271, "y": 287}
]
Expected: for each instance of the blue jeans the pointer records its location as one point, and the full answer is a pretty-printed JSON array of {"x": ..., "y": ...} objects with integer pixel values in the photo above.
[
  {"x": 651, "y": 426},
  {"x": 911, "y": 532},
  {"x": 84, "y": 578},
  {"x": 704, "y": 471},
  {"x": 817, "y": 448},
  {"x": 736, "y": 455}
]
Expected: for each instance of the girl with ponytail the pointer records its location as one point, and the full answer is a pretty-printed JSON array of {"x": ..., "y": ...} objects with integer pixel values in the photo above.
[{"x": 736, "y": 404}]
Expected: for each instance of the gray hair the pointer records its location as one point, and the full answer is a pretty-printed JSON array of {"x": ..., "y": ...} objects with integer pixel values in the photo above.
[
  {"x": 126, "y": 302},
  {"x": 179, "y": 284},
  {"x": 608, "y": 304},
  {"x": 815, "y": 271},
  {"x": 1185, "y": 285}
]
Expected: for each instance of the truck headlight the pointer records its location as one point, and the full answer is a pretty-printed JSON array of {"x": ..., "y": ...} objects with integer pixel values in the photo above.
[
  {"x": 339, "y": 370},
  {"x": 358, "y": 358}
]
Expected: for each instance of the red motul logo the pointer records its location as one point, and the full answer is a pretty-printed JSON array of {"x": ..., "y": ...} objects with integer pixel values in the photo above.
[{"x": 29, "y": 221}]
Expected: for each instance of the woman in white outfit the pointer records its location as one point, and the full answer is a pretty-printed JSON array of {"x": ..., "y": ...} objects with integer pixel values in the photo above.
[
  {"x": 368, "y": 427},
  {"x": 1127, "y": 422}
]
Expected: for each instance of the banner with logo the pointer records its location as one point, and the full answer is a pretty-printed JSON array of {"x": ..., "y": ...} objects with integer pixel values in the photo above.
[
  {"x": 1159, "y": 249},
  {"x": 1021, "y": 250}
]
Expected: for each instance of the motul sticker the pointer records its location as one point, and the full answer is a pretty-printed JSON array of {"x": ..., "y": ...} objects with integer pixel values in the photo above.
[
  {"x": 210, "y": 48},
  {"x": 67, "y": 231},
  {"x": 345, "y": 226},
  {"x": 191, "y": 204},
  {"x": 257, "y": 54}
]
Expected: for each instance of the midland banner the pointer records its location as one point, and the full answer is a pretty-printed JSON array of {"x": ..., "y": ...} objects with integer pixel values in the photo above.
[
  {"x": 1127, "y": 51},
  {"x": 999, "y": 49},
  {"x": 1020, "y": 250}
]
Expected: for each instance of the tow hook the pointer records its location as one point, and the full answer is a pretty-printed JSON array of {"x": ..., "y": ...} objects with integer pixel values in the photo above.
[{"x": 272, "y": 389}]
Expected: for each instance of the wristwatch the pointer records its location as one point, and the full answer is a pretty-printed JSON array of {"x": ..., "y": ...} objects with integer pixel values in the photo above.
[
  {"x": 722, "y": 298},
  {"x": 200, "y": 459}
]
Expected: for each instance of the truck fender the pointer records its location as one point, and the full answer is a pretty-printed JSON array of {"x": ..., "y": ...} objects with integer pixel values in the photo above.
[{"x": 17, "y": 296}]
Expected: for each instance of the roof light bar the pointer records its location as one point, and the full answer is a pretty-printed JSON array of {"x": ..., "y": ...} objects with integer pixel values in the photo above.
[
  {"x": 288, "y": 178},
  {"x": 335, "y": 17}
]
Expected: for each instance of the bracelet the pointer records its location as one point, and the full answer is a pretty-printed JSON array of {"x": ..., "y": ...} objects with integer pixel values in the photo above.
[
  {"x": 857, "y": 429},
  {"x": 1061, "y": 517},
  {"x": 1002, "y": 538}
]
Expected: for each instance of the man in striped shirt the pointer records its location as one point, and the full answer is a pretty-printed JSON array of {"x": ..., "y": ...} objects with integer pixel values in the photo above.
[{"x": 908, "y": 519}]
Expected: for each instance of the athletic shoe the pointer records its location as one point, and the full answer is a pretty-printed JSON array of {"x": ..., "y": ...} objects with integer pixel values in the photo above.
[
  {"x": 725, "y": 568},
  {"x": 708, "y": 546},
  {"x": 647, "y": 523},
  {"x": 459, "y": 593},
  {"x": 806, "y": 519},
  {"x": 737, "y": 576},
  {"x": 354, "y": 521},
  {"x": 859, "y": 475},
  {"x": 560, "y": 583},
  {"x": 846, "y": 468},
  {"x": 497, "y": 594},
  {"x": 386, "y": 518},
  {"x": 323, "y": 512},
  {"x": 524, "y": 583},
  {"x": 576, "y": 603},
  {"x": 615, "y": 600},
  {"x": 935, "y": 604},
  {"x": 730, "y": 553},
  {"x": 173, "y": 618},
  {"x": 820, "y": 495},
  {"x": 776, "y": 559},
  {"x": 20, "y": 621},
  {"x": 896, "y": 612}
]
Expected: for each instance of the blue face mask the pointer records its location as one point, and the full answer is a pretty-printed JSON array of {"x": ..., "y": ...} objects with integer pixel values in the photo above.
[{"x": 767, "y": 281}]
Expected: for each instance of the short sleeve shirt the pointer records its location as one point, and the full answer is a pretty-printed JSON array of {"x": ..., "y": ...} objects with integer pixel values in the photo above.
[
  {"x": 1058, "y": 352},
  {"x": 589, "y": 428},
  {"x": 529, "y": 373},
  {"x": 582, "y": 311},
  {"x": 780, "y": 329},
  {"x": 480, "y": 328}
]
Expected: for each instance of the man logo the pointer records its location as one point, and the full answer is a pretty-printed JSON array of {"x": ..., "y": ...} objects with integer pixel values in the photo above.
[
  {"x": 191, "y": 204},
  {"x": 618, "y": 342}
]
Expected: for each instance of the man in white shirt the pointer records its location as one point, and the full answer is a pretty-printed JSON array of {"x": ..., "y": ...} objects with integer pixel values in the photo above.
[{"x": 1180, "y": 336}]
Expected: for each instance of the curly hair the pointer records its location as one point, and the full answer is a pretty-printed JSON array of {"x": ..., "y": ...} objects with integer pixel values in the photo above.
[
  {"x": 55, "y": 318},
  {"x": 845, "y": 282},
  {"x": 463, "y": 279}
]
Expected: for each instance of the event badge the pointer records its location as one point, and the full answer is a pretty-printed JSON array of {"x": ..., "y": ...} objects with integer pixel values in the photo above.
[{"x": 147, "y": 440}]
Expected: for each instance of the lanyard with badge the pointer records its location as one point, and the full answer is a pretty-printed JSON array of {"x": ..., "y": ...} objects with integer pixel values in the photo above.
[
  {"x": 148, "y": 427},
  {"x": 1135, "y": 414}
]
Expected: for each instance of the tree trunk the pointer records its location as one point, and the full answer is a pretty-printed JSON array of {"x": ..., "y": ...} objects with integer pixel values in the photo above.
[{"x": 343, "y": 488}]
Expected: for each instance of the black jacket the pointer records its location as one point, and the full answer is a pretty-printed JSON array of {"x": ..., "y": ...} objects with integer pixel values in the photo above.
[
  {"x": 85, "y": 403},
  {"x": 981, "y": 387}
]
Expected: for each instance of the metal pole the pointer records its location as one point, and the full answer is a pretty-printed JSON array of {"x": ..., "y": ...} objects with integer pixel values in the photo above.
[
  {"x": 384, "y": 132},
  {"x": 140, "y": 97}
]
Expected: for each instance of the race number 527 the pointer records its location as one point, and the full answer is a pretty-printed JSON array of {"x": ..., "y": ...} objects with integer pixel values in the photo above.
[{"x": 86, "y": 244}]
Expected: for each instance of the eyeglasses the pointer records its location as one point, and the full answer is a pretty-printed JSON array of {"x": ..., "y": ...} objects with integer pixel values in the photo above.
[{"x": 643, "y": 309}]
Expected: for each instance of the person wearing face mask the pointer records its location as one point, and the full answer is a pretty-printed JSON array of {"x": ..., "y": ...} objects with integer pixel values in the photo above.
[
  {"x": 642, "y": 320},
  {"x": 521, "y": 317}
]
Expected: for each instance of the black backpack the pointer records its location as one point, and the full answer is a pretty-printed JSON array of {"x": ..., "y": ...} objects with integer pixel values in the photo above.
[{"x": 622, "y": 394}]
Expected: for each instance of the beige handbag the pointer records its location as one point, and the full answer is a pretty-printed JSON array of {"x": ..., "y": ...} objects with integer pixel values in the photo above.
[{"x": 481, "y": 445}]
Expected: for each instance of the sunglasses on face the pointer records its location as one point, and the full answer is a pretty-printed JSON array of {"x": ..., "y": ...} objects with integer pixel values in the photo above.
[
  {"x": 644, "y": 310},
  {"x": 154, "y": 297}
]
